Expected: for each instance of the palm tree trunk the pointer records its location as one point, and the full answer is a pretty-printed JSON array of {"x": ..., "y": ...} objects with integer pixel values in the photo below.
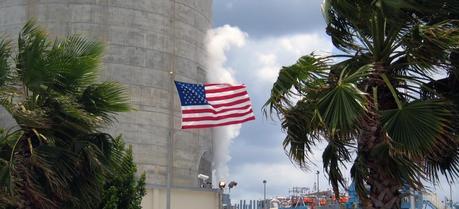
[{"x": 384, "y": 190}]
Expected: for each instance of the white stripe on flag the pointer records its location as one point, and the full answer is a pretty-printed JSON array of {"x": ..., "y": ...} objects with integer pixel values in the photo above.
[{"x": 213, "y": 122}]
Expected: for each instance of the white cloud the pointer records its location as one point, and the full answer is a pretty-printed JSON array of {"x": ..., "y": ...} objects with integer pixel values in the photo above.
[
  {"x": 259, "y": 60},
  {"x": 269, "y": 66},
  {"x": 302, "y": 44},
  {"x": 229, "y": 5}
]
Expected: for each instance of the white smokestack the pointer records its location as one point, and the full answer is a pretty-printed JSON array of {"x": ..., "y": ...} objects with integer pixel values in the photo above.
[{"x": 219, "y": 41}]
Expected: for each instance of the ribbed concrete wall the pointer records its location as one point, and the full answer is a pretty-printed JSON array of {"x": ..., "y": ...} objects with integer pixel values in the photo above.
[{"x": 146, "y": 39}]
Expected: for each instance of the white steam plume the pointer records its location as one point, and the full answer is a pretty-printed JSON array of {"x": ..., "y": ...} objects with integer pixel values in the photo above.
[{"x": 219, "y": 41}]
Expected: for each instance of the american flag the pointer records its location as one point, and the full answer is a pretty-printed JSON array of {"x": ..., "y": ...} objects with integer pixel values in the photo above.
[{"x": 210, "y": 105}]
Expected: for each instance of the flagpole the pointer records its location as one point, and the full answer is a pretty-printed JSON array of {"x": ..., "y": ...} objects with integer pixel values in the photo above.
[
  {"x": 170, "y": 144},
  {"x": 170, "y": 154}
]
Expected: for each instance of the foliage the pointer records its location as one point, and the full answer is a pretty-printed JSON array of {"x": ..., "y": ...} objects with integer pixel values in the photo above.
[
  {"x": 123, "y": 190},
  {"x": 381, "y": 99},
  {"x": 57, "y": 156}
]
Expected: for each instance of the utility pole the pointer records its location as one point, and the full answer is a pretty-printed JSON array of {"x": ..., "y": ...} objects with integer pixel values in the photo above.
[
  {"x": 318, "y": 188},
  {"x": 264, "y": 194},
  {"x": 412, "y": 199},
  {"x": 450, "y": 195}
]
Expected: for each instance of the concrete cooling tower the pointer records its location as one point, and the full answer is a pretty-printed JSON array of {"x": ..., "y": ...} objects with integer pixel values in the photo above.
[{"x": 149, "y": 43}]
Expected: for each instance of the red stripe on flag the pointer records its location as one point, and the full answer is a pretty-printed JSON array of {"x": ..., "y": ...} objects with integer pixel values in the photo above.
[
  {"x": 220, "y": 124},
  {"x": 227, "y": 96},
  {"x": 231, "y": 88},
  {"x": 213, "y": 111},
  {"x": 217, "y": 117}
]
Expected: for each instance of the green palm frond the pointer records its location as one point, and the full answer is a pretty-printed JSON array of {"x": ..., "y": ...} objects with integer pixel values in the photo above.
[
  {"x": 57, "y": 167},
  {"x": 445, "y": 163},
  {"x": 325, "y": 8},
  {"x": 343, "y": 31},
  {"x": 427, "y": 46},
  {"x": 454, "y": 70},
  {"x": 443, "y": 34},
  {"x": 397, "y": 8},
  {"x": 67, "y": 65},
  {"x": 103, "y": 143},
  {"x": 420, "y": 126},
  {"x": 105, "y": 99},
  {"x": 33, "y": 46},
  {"x": 344, "y": 104},
  {"x": 307, "y": 74},
  {"x": 398, "y": 166},
  {"x": 120, "y": 157},
  {"x": 8, "y": 145},
  {"x": 4, "y": 173},
  {"x": 75, "y": 62},
  {"x": 350, "y": 65},
  {"x": 359, "y": 174},
  {"x": 335, "y": 156},
  {"x": 349, "y": 76},
  {"x": 5, "y": 67},
  {"x": 66, "y": 114},
  {"x": 301, "y": 123},
  {"x": 341, "y": 108}
]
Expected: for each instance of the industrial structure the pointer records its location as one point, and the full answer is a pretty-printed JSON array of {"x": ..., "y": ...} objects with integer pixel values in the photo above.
[
  {"x": 149, "y": 44},
  {"x": 304, "y": 198}
]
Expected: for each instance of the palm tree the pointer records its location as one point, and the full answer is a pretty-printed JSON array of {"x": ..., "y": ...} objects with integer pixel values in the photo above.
[
  {"x": 379, "y": 100},
  {"x": 58, "y": 155}
]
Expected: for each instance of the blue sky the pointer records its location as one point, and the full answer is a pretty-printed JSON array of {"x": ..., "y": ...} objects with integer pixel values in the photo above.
[{"x": 250, "y": 42}]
